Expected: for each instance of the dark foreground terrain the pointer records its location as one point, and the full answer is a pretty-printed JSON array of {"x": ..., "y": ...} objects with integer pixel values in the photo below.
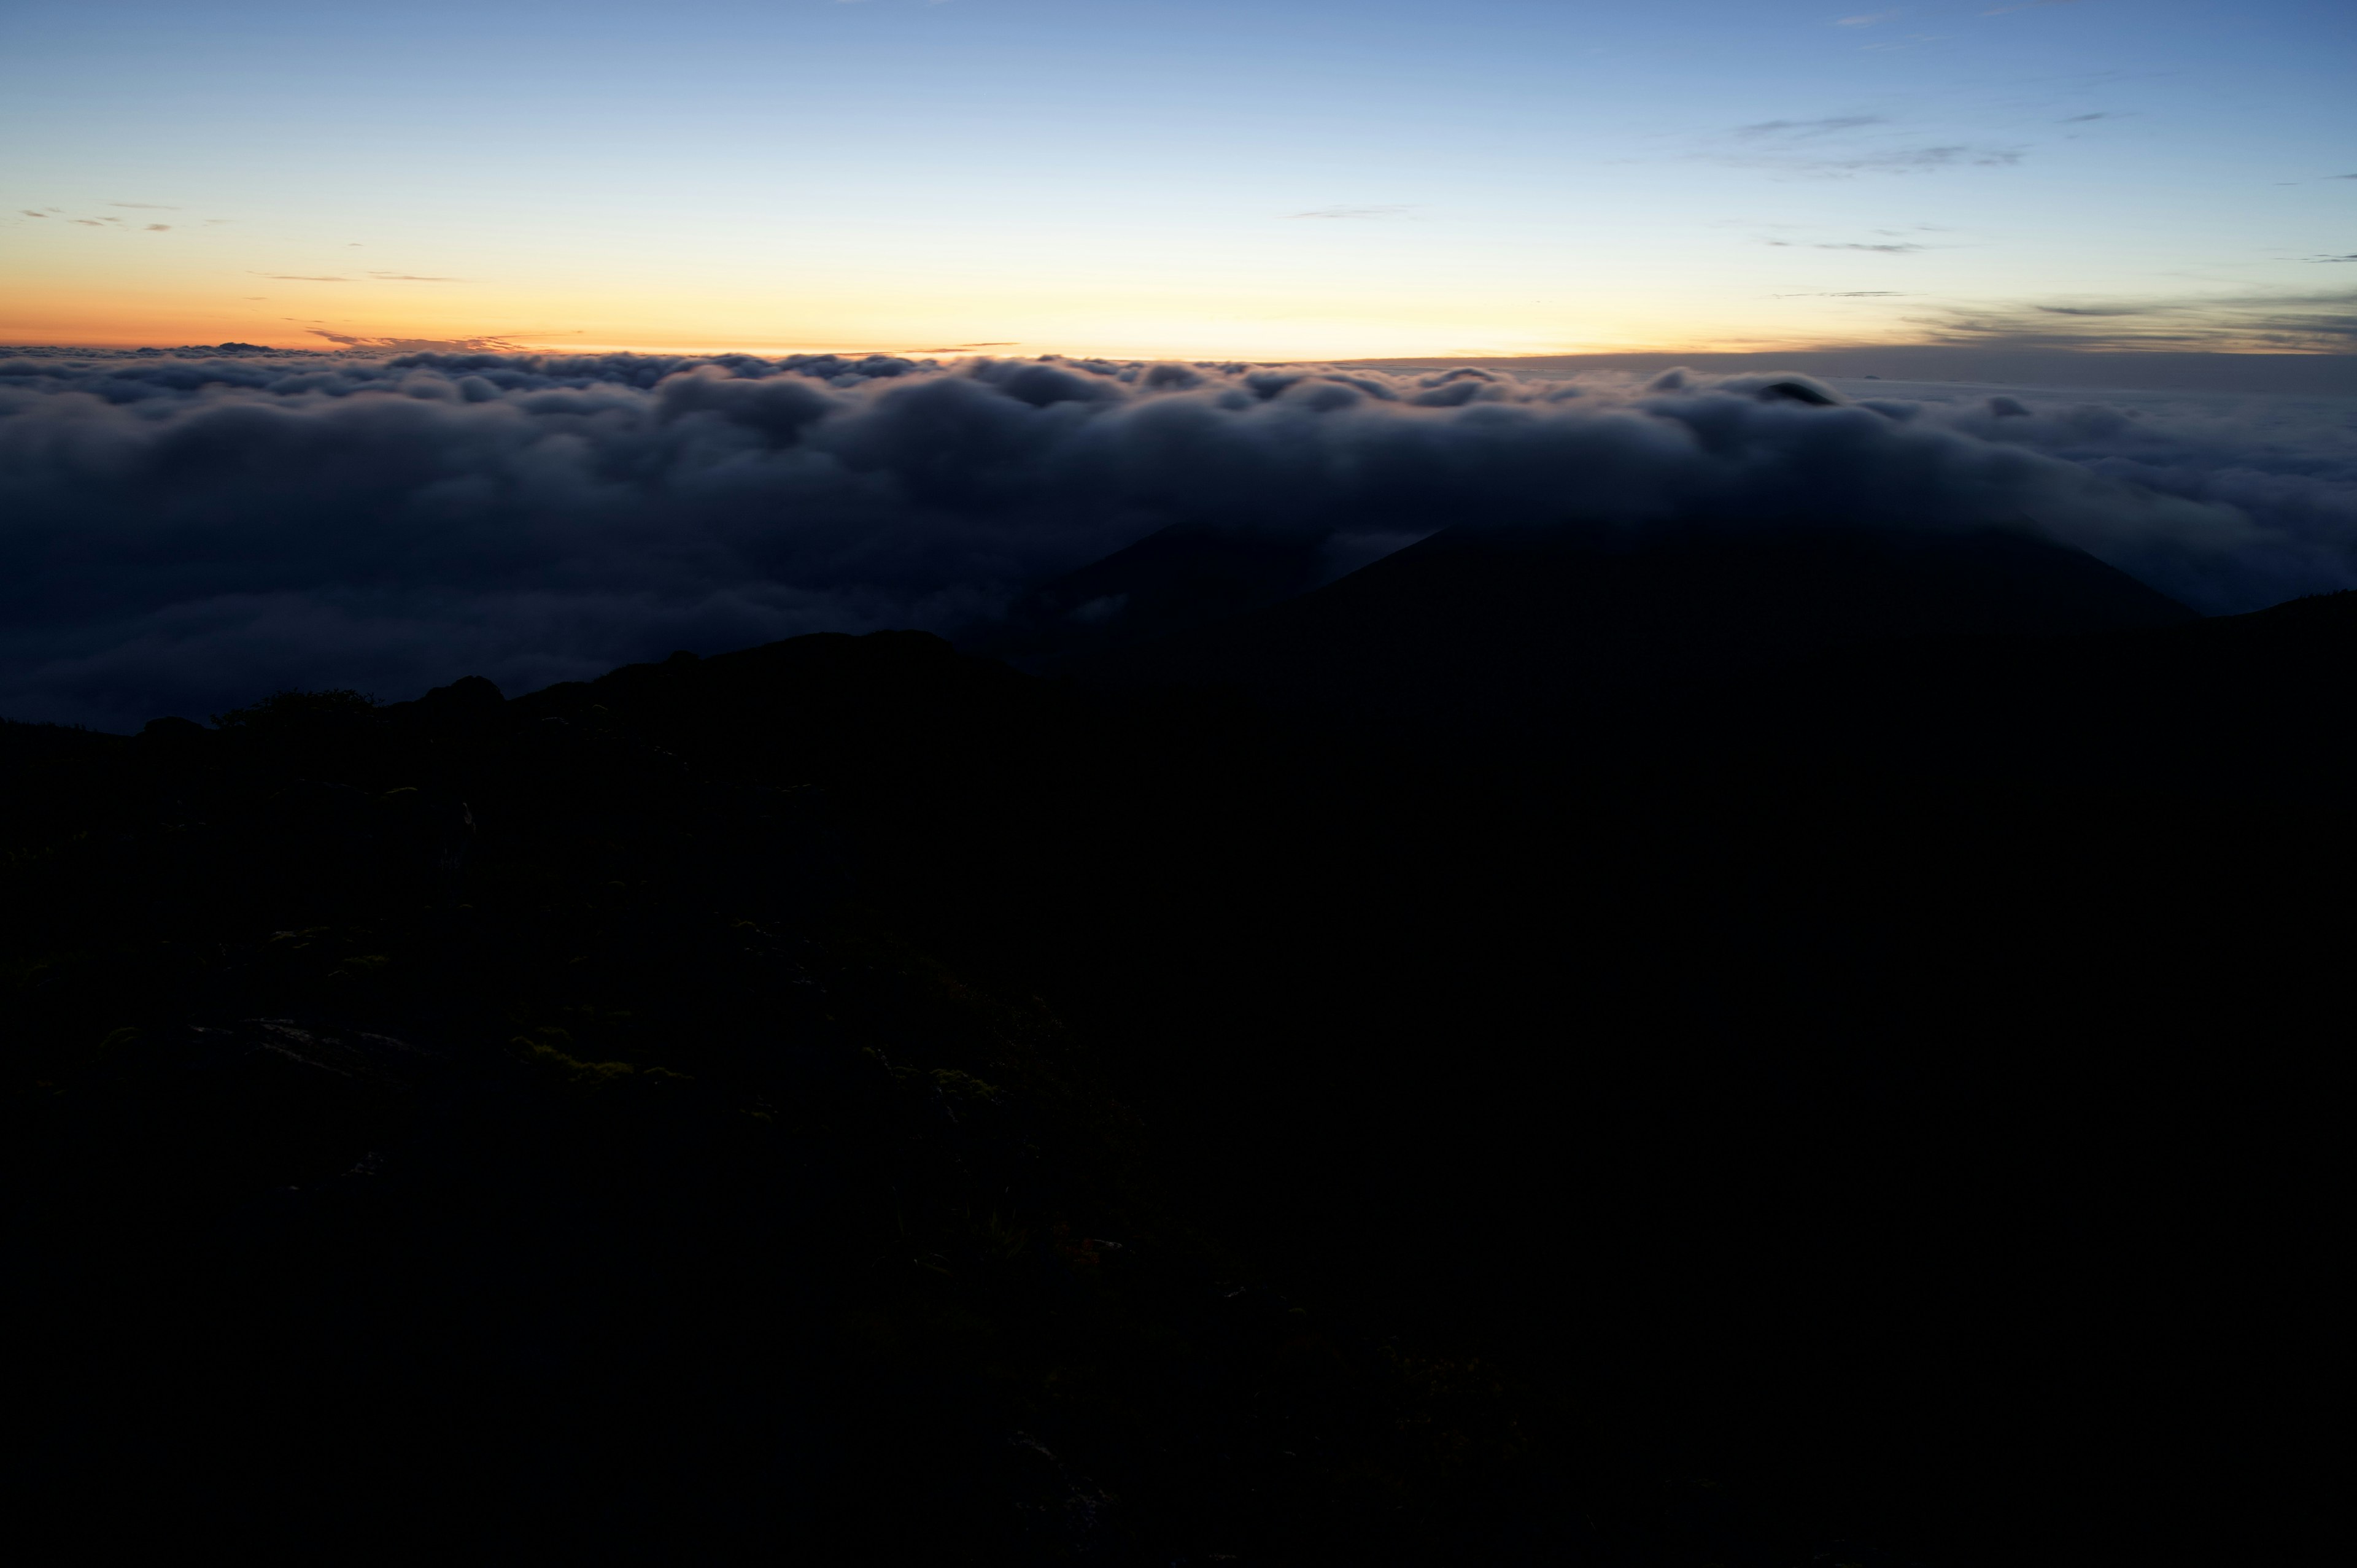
[{"x": 1826, "y": 1056}]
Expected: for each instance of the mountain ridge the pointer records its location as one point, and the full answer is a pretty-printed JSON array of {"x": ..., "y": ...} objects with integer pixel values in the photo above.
[{"x": 1501, "y": 629}]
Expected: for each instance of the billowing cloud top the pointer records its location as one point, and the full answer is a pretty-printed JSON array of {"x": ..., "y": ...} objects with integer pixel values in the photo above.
[{"x": 178, "y": 535}]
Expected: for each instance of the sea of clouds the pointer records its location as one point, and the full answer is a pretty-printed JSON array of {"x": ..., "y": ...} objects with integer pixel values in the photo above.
[{"x": 182, "y": 533}]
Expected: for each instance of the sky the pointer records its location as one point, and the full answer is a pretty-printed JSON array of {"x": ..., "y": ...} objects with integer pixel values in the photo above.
[{"x": 1283, "y": 179}]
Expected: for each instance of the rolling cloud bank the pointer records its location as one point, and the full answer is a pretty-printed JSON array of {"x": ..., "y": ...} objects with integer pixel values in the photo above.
[{"x": 179, "y": 535}]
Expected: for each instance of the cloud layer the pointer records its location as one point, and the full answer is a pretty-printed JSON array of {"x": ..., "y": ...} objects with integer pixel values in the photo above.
[{"x": 178, "y": 535}]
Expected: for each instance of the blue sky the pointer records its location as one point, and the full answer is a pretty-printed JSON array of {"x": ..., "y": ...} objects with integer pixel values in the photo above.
[{"x": 1282, "y": 179}]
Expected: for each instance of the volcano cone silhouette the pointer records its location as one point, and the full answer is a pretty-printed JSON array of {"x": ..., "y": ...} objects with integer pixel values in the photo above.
[{"x": 1487, "y": 629}]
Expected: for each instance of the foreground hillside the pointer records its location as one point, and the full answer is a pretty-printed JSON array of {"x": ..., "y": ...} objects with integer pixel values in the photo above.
[{"x": 850, "y": 1095}]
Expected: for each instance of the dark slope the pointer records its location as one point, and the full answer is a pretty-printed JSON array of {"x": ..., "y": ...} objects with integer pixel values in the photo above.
[
  {"x": 1867, "y": 1114},
  {"x": 2250, "y": 707},
  {"x": 529, "y": 1128},
  {"x": 1522, "y": 633}
]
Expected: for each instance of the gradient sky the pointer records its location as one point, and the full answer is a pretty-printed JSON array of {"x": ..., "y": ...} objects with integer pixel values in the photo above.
[{"x": 1284, "y": 179}]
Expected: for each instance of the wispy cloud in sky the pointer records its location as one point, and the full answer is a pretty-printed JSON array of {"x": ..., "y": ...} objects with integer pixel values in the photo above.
[
  {"x": 1921, "y": 160},
  {"x": 1837, "y": 147},
  {"x": 2286, "y": 321},
  {"x": 1888, "y": 249},
  {"x": 1819, "y": 127},
  {"x": 1395, "y": 210},
  {"x": 481, "y": 345}
]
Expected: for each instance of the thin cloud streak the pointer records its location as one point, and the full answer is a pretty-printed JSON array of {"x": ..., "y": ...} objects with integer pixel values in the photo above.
[
  {"x": 483, "y": 345},
  {"x": 2249, "y": 323},
  {"x": 1815, "y": 148},
  {"x": 1822, "y": 127}
]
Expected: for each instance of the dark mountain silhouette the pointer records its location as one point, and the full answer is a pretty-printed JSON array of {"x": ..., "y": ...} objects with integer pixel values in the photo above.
[
  {"x": 1526, "y": 632},
  {"x": 1850, "y": 1087}
]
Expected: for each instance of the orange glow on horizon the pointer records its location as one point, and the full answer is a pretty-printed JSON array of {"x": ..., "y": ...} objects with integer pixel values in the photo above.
[
  {"x": 110, "y": 320},
  {"x": 136, "y": 296}
]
